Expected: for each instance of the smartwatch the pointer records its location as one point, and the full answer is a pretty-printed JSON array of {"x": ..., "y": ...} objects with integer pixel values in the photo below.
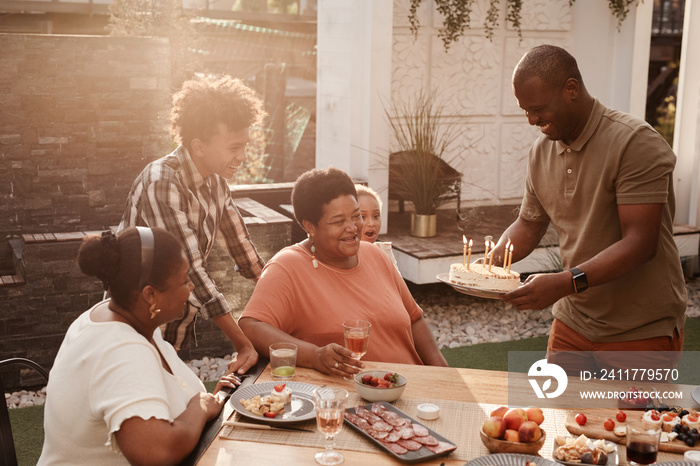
[{"x": 579, "y": 279}]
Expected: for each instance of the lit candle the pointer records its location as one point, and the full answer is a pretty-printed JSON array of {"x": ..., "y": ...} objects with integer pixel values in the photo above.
[
  {"x": 464, "y": 251},
  {"x": 510, "y": 257},
  {"x": 469, "y": 257},
  {"x": 486, "y": 251},
  {"x": 505, "y": 255},
  {"x": 491, "y": 257}
]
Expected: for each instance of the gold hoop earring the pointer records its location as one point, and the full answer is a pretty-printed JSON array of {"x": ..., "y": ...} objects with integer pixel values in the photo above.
[{"x": 154, "y": 311}]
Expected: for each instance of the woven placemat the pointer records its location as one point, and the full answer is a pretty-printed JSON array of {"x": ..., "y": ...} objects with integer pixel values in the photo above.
[{"x": 459, "y": 422}]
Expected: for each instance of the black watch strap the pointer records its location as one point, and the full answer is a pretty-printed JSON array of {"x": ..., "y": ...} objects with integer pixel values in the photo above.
[{"x": 579, "y": 279}]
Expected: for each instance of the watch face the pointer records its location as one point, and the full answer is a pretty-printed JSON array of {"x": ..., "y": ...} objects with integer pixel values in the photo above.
[{"x": 579, "y": 279}]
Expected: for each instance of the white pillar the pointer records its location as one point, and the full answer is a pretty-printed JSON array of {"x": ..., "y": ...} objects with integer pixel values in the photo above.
[
  {"x": 353, "y": 80},
  {"x": 686, "y": 138},
  {"x": 614, "y": 64}
]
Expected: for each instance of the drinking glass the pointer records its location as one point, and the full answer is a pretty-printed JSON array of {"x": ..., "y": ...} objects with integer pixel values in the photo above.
[
  {"x": 356, "y": 335},
  {"x": 283, "y": 360},
  {"x": 330, "y": 406},
  {"x": 642, "y": 443}
]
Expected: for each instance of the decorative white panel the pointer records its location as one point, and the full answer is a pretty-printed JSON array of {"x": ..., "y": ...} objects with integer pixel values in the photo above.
[
  {"x": 410, "y": 66},
  {"x": 477, "y": 149},
  {"x": 401, "y": 13},
  {"x": 516, "y": 139},
  {"x": 546, "y": 15},
  {"x": 473, "y": 78},
  {"x": 468, "y": 75}
]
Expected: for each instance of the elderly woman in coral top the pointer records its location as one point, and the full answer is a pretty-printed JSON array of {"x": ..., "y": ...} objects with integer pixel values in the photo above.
[{"x": 309, "y": 289}]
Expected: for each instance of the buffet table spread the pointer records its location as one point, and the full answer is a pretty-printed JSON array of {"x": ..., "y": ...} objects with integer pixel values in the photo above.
[{"x": 465, "y": 397}]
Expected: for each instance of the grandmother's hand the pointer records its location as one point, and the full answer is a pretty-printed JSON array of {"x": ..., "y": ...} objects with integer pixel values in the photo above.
[
  {"x": 229, "y": 380},
  {"x": 334, "y": 359}
]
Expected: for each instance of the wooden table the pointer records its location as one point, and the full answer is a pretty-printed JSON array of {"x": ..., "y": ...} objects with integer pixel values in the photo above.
[{"x": 442, "y": 383}]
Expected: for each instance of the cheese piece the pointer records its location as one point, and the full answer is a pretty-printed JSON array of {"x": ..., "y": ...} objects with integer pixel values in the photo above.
[{"x": 581, "y": 441}]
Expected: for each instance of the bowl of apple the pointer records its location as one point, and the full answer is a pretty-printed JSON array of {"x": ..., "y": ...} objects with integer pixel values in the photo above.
[
  {"x": 380, "y": 385},
  {"x": 515, "y": 430}
]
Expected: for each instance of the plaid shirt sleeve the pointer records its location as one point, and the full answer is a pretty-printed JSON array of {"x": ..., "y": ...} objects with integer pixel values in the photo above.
[
  {"x": 164, "y": 205},
  {"x": 237, "y": 241}
]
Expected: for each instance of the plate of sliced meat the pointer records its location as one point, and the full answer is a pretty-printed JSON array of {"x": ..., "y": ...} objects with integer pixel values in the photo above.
[{"x": 397, "y": 433}]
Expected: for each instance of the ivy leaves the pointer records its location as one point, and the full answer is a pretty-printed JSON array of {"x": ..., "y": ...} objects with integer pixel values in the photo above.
[{"x": 457, "y": 16}]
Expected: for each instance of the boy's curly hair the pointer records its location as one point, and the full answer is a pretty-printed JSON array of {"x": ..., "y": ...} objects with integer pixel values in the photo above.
[{"x": 203, "y": 103}]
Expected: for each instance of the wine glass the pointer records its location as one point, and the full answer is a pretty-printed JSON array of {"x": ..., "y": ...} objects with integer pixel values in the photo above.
[
  {"x": 356, "y": 335},
  {"x": 330, "y": 407}
]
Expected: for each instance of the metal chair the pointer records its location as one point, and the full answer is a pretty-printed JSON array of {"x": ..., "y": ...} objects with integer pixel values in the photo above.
[{"x": 8, "y": 456}]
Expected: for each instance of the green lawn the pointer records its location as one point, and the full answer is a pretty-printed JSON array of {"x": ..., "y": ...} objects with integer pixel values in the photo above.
[{"x": 27, "y": 422}]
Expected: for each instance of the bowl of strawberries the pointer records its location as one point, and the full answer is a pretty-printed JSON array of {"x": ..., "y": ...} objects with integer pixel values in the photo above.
[{"x": 380, "y": 385}]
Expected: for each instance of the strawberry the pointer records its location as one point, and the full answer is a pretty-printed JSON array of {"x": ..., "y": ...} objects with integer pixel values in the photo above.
[
  {"x": 393, "y": 378},
  {"x": 375, "y": 381},
  {"x": 367, "y": 379},
  {"x": 280, "y": 387}
]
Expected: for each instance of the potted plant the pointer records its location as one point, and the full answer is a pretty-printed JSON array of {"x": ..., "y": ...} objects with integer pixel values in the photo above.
[{"x": 418, "y": 172}]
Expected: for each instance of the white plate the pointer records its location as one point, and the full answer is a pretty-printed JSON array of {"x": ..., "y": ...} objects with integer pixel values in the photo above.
[
  {"x": 612, "y": 456},
  {"x": 509, "y": 459},
  {"x": 696, "y": 394},
  {"x": 301, "y": 408},
  {"x": 478, "y": 292}
]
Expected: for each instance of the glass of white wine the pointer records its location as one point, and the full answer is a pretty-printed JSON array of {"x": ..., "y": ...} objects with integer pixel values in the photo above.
[{"x": 330, "y": 407}]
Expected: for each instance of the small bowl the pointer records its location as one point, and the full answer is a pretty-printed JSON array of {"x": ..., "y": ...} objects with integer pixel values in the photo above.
[
  {"x": 372, "y": 394},
  {"x": 494, "y": 445}
]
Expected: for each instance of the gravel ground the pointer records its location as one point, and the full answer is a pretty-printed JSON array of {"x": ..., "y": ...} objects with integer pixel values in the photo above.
[{"x": 456, "y": 320}]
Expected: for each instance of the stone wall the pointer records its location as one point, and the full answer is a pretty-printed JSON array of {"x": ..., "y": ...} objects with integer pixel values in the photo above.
[{"x": 81, "y": 116}]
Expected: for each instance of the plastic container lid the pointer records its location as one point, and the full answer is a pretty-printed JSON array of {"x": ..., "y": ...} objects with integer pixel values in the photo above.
[
  {"x": 428, "y": 411},
  {"x": 692, "y": 455}
]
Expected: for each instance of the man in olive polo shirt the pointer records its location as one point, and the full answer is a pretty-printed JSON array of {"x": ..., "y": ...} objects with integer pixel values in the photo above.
[{"x": 604, "y": 180}]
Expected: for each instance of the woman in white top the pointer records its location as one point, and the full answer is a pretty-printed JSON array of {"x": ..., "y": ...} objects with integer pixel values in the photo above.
[{"x": 117, "y": 392}]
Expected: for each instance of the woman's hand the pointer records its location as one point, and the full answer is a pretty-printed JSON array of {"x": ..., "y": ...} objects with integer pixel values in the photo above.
[
  {"x": 334, "y": 359},
  {"x": 207, "y": 403},
  {"x": 229, "y": 380}
]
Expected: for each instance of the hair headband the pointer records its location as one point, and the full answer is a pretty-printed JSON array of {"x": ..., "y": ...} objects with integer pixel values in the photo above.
[{"x": 147, "y": 247}]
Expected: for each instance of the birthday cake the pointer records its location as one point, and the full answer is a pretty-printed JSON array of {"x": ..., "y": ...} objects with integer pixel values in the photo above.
[{"x": 483, "y": 277}]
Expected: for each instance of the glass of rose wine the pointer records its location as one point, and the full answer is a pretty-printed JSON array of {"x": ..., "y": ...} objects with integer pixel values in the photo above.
[
  {"x": 330, "y": 407},
  {"x": 642, "y": 443},
  {"x": 356, "y": 335}
]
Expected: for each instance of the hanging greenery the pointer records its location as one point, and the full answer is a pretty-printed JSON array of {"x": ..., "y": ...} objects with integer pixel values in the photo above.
[{"x": 457, "y": 15}]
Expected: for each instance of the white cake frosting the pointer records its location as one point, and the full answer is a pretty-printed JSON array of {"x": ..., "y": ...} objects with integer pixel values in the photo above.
[
  {"x": 479, "y": 276},
  {"x": 284, "y": 397}
]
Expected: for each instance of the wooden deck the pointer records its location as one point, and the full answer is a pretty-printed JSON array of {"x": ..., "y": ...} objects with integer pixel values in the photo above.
[{"x": 421, "y": 259}]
